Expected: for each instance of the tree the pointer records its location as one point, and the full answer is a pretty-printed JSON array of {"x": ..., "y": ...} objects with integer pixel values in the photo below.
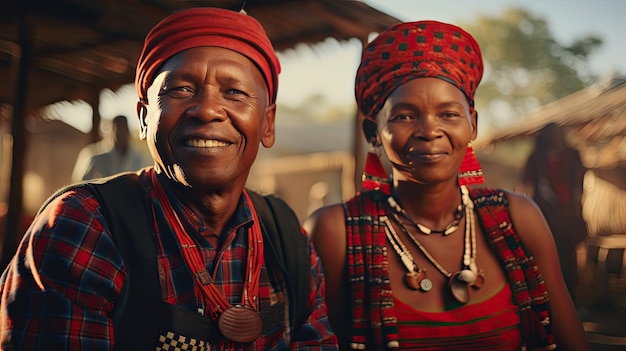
[{"x": 525, "y": 67}]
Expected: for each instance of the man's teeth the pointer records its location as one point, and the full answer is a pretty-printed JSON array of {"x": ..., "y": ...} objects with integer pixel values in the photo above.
[{"x": 205, "y": 143}]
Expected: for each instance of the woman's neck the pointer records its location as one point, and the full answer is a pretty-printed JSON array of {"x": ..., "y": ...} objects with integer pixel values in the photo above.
[{"x": 434, "y": 206}]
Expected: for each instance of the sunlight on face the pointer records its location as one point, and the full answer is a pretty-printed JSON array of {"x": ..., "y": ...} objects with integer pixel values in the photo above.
[{"x": 207, "y": 113}]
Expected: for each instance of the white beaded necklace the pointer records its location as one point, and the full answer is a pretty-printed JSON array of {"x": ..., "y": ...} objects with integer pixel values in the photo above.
[
  {"x": 458, "y": 282},
  {"x": 449, "y": 229}
]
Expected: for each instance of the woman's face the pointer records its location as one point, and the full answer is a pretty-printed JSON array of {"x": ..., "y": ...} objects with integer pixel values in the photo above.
[
  {"x": 208, "y": 110},
  {"x": 424, "y": 128}
]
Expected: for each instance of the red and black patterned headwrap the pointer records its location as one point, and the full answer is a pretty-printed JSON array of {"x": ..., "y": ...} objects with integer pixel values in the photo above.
[
  {"x": 205, "y": 26},
  {"x": 412, "y": 50}
]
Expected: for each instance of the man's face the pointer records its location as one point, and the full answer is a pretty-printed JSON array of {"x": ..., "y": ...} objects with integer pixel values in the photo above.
[{"x": 208, "y": 109}]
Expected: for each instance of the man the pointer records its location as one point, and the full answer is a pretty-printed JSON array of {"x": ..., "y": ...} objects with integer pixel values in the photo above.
[
  {"x": 120, "y": 157},
  {"x": 206, "y": 81}
]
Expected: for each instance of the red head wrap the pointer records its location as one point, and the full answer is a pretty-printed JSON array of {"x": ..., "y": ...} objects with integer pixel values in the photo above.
[
  {"x": 207, "y": 27},
  {"x": 412, "y": 50}
]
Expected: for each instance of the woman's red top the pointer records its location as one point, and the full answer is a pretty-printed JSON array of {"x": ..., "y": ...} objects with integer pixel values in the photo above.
[{"x": 493, "y": 324}]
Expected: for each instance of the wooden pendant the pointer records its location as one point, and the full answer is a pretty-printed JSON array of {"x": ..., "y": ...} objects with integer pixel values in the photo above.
[
  {"x": 240, "y": 324},
  {"x": 413, "y": 280},
  {"x": 480, "y": 280}
]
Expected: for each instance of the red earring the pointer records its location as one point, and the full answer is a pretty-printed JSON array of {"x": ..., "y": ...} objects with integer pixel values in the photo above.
[
  {"x": 374, "y": 175},
  {"x": 470, "y": 171}
]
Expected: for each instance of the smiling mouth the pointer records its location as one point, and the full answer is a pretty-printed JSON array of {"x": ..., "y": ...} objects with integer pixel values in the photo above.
[
  {"x": 205, "y": 143},
  {"x": 427, "y": 157}
]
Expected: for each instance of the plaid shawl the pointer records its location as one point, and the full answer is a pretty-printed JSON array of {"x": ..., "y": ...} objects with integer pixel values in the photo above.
[{"x": 374, "y": 319}]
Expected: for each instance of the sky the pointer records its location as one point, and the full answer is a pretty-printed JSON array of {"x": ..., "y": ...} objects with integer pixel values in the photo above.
[{"x": 328, "y": 69}]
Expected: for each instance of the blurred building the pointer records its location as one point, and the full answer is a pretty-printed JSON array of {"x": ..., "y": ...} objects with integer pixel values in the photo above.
[
  {"x": 307, "y": 182},
  {"x": 594, "y": 120}
]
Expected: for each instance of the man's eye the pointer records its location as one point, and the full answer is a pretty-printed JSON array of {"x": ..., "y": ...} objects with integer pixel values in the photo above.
[
  {"x": 449, "y": 114},
  {"x": 181, "y": 91},
  {"x": 234, "y": 91},
  {"x": 402, "y": 117}
]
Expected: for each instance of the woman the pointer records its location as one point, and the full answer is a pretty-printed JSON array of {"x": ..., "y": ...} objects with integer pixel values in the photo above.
[{"x": 418, "y": 260}]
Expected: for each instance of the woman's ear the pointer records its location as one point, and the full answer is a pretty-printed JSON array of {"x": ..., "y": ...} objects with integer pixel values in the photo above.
[
  {"x": 474, "y": 123},
  {"x": 374, "y": 140},
  {"x": 142, "y": 112},
  {"x": 370, "y": 131}
]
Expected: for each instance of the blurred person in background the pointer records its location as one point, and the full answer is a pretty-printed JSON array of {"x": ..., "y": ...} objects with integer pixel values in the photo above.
[
  {"x": 553, "y": 177},
  {"x": 120, "y": 156}
]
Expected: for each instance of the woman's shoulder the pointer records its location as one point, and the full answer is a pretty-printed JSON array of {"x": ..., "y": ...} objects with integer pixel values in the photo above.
[
  {"x": 526, "y": 217},
  {"x": 507, "y": 197},
  {"x": 521, "y": 208},
  {"x": 325, "y": 220},
  {"x": 520, "y": 203}
]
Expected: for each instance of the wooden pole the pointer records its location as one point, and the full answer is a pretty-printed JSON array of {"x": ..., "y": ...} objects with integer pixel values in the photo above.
[
  {"x": 18, "y": 132},
  {"x": 359, "y": 144},
  {"x": 94, "y": 102}
]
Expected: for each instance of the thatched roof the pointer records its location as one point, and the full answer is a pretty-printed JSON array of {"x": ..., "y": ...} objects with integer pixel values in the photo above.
[
  {"x": 77, "y": 47},
  {"x": 597, "y": 114}
]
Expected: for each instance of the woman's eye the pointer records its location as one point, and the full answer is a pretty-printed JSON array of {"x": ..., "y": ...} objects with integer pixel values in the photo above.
[{"x": 401, "y": 117}]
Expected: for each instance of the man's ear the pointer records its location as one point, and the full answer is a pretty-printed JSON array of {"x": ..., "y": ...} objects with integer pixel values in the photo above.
[
  {"x": 268, "y": 136},
  {"x": 142, "y": 112}
]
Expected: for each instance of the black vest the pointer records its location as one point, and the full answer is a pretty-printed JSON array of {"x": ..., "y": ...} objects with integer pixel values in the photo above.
[{"x": 140, "y": 315}]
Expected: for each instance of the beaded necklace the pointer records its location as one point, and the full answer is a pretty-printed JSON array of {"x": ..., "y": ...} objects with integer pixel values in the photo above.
[
  {"x": 458, "y": 282},
  {"x": 415, "y": 277},
  {"x": 449, "y": 229}
]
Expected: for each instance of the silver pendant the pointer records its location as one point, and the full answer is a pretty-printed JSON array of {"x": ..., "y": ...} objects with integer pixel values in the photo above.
[{"x": 426, "y": 285}]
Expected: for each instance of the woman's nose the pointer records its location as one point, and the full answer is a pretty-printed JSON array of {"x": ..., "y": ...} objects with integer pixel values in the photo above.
[{"x": 426, "y": 128}]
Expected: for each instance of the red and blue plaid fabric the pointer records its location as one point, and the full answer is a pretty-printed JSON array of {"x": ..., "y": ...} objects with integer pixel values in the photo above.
[{"x": 59, "y": 291}]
